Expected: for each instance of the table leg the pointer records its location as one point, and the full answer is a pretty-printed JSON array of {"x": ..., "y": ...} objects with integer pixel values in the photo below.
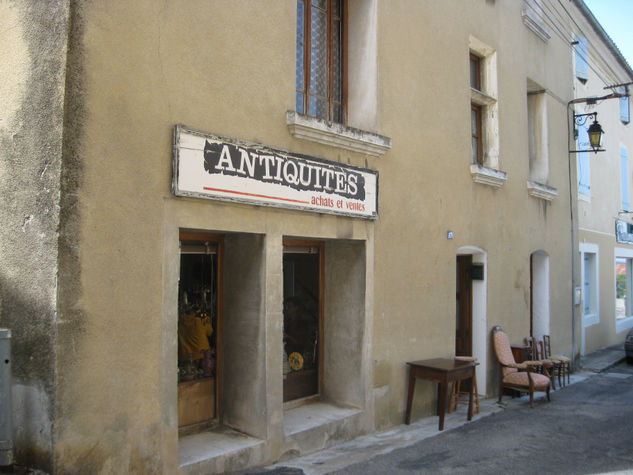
[
  {"x": 441, "y": 402},
  {"x": 407, "y": 416}
]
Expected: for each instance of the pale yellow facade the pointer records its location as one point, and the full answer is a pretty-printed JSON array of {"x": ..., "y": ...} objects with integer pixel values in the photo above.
[
  {"x": 603, "y": 192},
  {"x": 105, "y": 390}
]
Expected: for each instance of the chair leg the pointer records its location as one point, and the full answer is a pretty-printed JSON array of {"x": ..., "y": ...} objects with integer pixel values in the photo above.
[
  {"x": 476, "y": 393},
  {"x": 531, "y": 397}
]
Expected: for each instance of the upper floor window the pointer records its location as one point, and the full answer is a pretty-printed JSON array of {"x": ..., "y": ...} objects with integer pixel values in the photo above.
[
  {"x": 625, "y": 107},
  {"x": 484, "y": 114},
  {"x": 581, "y": 59},
  {"x": 476, "y": 128},
  {"x": 321, "y": 59},
  {"x": 475, "y": 72},
  {"x": 476, "y": 110},
  {"x": 538, "y": 143}
]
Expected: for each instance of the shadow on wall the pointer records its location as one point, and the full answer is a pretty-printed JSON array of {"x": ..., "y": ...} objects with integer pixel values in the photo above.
[{"x": 33, "y": 370}]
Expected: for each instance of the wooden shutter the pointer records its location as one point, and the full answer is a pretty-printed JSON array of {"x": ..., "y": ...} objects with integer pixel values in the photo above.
[
  {"x": 625, "y": 111},
  {"x": 582, "y": 65}
]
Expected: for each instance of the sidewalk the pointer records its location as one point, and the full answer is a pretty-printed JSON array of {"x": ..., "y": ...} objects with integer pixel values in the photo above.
[{"x": 379, "y": 443}]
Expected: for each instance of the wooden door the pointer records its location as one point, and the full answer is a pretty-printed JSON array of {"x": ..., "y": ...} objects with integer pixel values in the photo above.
[{"x": 464, "y": 315}]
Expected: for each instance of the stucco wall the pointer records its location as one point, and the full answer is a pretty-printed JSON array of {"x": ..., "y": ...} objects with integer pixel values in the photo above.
[
  {"x": 426, "y": 188},
  {"x": 135, "y": 69},
  {"x": 33, "y": 54}
]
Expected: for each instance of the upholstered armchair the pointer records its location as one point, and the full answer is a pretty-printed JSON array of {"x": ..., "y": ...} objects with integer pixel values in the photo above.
[{"x": 524, "y": 376}]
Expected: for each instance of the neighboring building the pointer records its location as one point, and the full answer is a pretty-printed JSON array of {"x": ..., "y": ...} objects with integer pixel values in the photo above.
[
  {"x": 224, "y": 235},
  {"x": 604, "y": 190}
]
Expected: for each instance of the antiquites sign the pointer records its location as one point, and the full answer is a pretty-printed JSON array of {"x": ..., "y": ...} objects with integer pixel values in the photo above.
[{"x": 214, "y": 167}]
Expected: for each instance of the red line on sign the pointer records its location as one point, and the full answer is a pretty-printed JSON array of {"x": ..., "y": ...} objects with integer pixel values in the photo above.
[{"x": 255, "y": 195}]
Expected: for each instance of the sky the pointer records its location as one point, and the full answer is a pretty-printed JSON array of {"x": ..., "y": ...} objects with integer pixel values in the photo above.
[{"x": 616, "y": 17}]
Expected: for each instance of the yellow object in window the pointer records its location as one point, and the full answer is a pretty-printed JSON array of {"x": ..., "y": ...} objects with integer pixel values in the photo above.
[
  {"x": 296, "y": 361},
  {"x": 194, "y": 330}
]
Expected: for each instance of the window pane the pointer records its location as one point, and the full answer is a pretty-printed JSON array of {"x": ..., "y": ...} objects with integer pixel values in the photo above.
[
  {"x": 299, "y": 104},
  {"x": 473, "y": 122},
  {"x": 338, "y": 114},
  {"x": 474, "y": 73},
  {"x": 338, "y": 62},
  {"x": 301, "y": 339},
  {"x": 300, "y": 45},
  {"x": 318, "y": 107},
  {"x": 475, "y": 150},
  {"x": 318, "y": 57},
  {"x": 320, "y": 3}
]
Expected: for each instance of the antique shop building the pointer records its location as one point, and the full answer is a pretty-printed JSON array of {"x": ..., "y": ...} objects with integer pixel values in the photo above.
[{"x": 228, "y": 225}]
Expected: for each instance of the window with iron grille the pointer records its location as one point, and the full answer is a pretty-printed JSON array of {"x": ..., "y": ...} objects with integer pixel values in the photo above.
[{"x": 320, "y": 67}]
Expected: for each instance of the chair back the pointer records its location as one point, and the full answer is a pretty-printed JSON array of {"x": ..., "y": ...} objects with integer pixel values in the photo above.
[
  {"x": 536, "y": 348},
  {"x": 503, "y": 350},
  {"x": 547, "y": 350}
]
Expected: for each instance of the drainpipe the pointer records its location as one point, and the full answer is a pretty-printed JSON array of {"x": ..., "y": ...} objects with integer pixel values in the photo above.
[
  {"x": 6, "y": 423},
  {"x": 573, "y": 249}
]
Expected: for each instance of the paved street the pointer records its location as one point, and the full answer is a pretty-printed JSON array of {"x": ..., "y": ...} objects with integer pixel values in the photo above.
[{"x": 587, "y": 428}]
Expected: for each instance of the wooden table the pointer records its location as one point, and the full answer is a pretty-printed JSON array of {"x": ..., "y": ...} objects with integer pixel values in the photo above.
[{"x": 442, "y": 371}]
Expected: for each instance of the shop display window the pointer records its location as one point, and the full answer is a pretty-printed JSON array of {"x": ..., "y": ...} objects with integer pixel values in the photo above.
[
  {"x": 197, "y": 331},
  {"x": 302, "y": 327}
]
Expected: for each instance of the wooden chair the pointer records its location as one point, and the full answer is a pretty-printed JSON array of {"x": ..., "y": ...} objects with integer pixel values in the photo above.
[
  {"x": 563, "y": 362},
  {"x": 456, "y": 388},
  {"x": 538, "y": 354},
  {"x": 522, "y": 376}
]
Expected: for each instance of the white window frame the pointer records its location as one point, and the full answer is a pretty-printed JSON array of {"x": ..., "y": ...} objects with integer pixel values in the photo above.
[
  {"x": 593, "y": 316},
  {"x": 625, "y": 323}
]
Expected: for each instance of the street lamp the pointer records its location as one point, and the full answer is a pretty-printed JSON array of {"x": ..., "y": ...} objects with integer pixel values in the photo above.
[{"x": 594, "y": 131}]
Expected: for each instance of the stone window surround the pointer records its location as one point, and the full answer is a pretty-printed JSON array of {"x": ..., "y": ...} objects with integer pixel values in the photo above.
[
  {"x": 538, "y": 144},
  {"x": 532, "y": 15},
  {"x": 488, "y": 173},
  {"x": 362, "y": 97}
]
